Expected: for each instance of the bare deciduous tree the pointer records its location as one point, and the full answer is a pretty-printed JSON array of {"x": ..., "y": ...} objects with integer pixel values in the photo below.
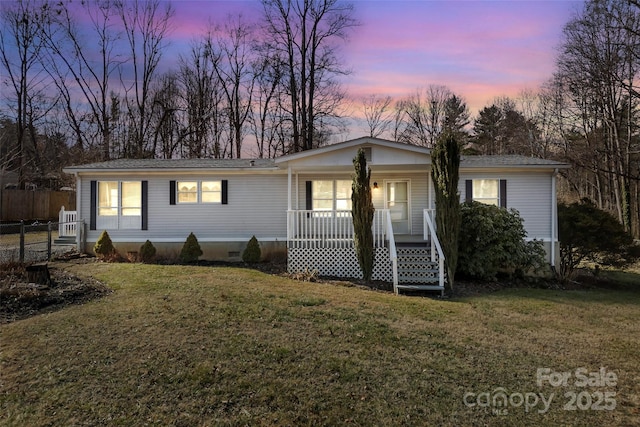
[
  {"x": 146, "y": 27},
  {"x": 598, "y": 68},
  {"x": 305, "y": 34},
  {"x": 377, "y": 114},
  {"x": 421, "y": 117},
  {"x": 20, "y": 47},
  {"x": 83, "y": 78},
  {"x": 232, "y": 48}
]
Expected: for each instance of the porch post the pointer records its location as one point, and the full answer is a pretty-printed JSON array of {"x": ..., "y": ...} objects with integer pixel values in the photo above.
[
  {"x": 289, "y": 188},
  {"x": 430, "y": 198}
]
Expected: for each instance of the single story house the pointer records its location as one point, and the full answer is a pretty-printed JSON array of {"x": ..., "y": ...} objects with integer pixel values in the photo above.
[{"x": 298, "y": 206}]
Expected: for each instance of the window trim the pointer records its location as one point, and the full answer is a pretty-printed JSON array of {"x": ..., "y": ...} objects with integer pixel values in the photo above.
[
  {"x": 119, "y": 221},
  {"x": 334, "y": 196},
  {"x": 138, "y": 206},
  {"x": 174, "y": 192},
  {"x": 502, "y": 191},
  {"x": 179, "y": 192}
]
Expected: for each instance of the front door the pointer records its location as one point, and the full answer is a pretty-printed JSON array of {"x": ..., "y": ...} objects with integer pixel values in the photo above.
[{"x": 397, "y": 201}]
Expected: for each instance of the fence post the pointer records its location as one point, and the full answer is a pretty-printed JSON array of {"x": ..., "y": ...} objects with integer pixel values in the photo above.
[
  {"x": 22, "y": 241},
  {"x": 61, "y": 221},
  {"x": 49, "y": 241}
]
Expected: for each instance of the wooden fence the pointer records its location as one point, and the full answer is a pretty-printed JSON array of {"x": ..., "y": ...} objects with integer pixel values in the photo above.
[{"x": 16, "y": 205}]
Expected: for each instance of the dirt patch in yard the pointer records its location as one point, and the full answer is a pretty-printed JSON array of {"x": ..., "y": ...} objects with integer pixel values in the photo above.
[{"x": 20, "y": 299}]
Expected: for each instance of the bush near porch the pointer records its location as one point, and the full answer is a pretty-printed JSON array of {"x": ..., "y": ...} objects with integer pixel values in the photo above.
[{"x": 492, "y": 242}]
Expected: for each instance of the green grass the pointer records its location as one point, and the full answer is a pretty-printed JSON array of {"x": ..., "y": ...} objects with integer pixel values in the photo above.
[
  {"x": 179, "y": 345},
  {"x": 30, "y": 237}
]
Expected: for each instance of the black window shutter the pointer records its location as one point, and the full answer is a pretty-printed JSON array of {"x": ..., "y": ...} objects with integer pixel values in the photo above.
[
  {"x": 308, "y": 196},
  {"x": 503, "y": 193},
  {"x": 172, "y": 192},
  {"x": 145, "y": 205},
  {"x": 468, "y": 192},
  {"x": 225, "y": 192},
  {"x": 93, "y": 205}
]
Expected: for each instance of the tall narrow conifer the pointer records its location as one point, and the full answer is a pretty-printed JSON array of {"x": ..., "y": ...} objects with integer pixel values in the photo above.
[
  {"x": 445, "y": 165},
  {"x": 362, "y": 212}
]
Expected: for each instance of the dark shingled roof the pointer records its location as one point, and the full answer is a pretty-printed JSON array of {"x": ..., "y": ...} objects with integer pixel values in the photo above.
[
  {"x": 136, "y": 164},
  {"x": 210, "y": 164},
  {"x": 506, "y": 161}
]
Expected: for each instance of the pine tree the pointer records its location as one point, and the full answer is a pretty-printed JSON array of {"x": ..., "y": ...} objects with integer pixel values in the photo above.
[
  {"x": 191, "y": 250},
  {"x": 362, "y": 212},
  {"x": 445, "y": 165}
]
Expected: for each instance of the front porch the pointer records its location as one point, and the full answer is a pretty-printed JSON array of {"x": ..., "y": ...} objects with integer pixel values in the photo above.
[{"x": 324, "y": 241}]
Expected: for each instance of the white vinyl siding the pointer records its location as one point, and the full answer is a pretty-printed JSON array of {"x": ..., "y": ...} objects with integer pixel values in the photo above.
[
  {"x": 257, "y": 205},
  {"x": 529, "y": 193}
]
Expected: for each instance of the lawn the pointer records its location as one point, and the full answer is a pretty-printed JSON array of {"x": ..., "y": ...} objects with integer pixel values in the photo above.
[{"x": 197, "y": 346}]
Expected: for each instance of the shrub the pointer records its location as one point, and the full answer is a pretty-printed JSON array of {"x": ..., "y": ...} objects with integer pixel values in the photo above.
[
  {"x": 252, "y": 252},
  {"x": 191, "y": 250},
  {"x": 147, "y": 252},
  {"x": 492, "y": 241},
  {"x": 104, "y": 248},
  {"x": 588, "y": 233}
]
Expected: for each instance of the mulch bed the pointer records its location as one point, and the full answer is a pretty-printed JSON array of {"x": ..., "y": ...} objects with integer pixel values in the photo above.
[{"x": 20, "y": 299}]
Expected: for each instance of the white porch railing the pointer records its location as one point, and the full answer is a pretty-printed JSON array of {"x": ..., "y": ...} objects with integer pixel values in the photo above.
[
  {"x": 436, "y": 250},
  {"x": 393, "y": 252},
  {"x": 331, "y": 228},
  {"x": 308, "y": 229},
  {"x": 67, "y": 223}
]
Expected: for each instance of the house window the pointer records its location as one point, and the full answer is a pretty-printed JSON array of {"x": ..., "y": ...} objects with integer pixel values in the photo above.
[
  {"x": 486, "y": 191},
  {"x": 322, "y": 195},
  {"x": 119, "y": 205},
  {"x": 329, "y": 195},
  {"x": 489, "y": 191},
  {"x": 187, "y": 191},
  {"x": 203, "y": 192},
  {"x": 131, "y": 198},
  {"x": 211, "y": 191},
  {"x": 108, "y": 198}
]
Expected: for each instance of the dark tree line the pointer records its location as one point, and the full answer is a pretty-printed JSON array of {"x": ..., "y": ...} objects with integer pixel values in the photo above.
[
  {"x": 93, "y": 72},
  {"x": 586, "y": 114},
  {"x": 271, "y": 87}
]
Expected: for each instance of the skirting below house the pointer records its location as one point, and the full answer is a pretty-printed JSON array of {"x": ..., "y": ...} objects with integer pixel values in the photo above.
[{"x": 338, "y": 262}]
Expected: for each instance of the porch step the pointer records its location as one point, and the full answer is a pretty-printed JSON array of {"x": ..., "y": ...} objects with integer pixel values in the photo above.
[
  {"x": 65, "y": 240},
  {"x": 416, "y": 271},
  {"x": 410, "y": 287}
]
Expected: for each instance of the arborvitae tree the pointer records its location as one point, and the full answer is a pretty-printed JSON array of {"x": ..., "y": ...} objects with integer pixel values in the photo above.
[
  {"x": 252, "y": 252},
  {"x": 362, "y": 213},
  {"x": 191, "y": 250},
  {"x": 147, "y": 252},
  {"x": 445, "y": 165},
  {"x": 104, "y": 246}
]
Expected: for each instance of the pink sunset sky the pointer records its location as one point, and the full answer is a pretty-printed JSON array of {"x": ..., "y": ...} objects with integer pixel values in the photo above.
[{"x": 479, "y": 49}]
